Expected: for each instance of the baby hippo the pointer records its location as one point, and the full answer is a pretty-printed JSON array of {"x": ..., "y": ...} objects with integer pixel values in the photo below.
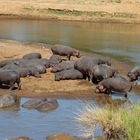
[
  {"x": 55, "y": 59},
  {"x": 101, "y": 72},
  {"x": 32, "y": 56},
  {"x": 118, "y": 84},
  {"x": 134, "y": 73},
  {"x": 65, "y": 65},
  {"x": 70, "y": 74},
  {"x": 65, "y": 51}
]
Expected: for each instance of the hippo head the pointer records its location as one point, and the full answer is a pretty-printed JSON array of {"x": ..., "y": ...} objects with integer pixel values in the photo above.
[
  {"x": 76, "y": 53},
  {"x": 132, "y": 76},
  {"x": 100, "y": 89}
]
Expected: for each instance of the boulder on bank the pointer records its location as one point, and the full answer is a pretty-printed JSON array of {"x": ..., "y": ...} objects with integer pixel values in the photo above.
[
  {"x": 63, "y": 136},
  {"x": 8, "y": 100}
]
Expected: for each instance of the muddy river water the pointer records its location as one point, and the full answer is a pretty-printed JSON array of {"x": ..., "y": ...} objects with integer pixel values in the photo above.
[{"x": 120, "y": 41}]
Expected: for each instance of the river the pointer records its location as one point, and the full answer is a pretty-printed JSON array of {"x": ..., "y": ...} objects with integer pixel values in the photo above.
[{"x": 120, "y": 41}]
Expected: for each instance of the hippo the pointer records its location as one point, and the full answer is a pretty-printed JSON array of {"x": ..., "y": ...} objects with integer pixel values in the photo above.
[
  {"x": 65, "y": 51},
  {"x": 9, "y": 78},
  {"x": 55, "y": 59},
  {"x": 8, "y": 100},
  {"x": 134, "y": 73},
  {"x": 32, "y": 56},
  {"x": 117, "y": 84},
  {"x": 71, "y": 74},
  {"x": 64, "y": 65},
  {"x": 85, "y": 65},
  {"x": 33, "y": 103},
  {"x": 48, "y": 105},
  {"x": 5, "y": 62},
  {"x": 101, "y": 72}
]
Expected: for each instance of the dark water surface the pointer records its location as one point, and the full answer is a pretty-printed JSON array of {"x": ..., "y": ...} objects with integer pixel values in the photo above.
[
  {"x": 121, "y": 41},
  {"x": 117, "y": 40}
]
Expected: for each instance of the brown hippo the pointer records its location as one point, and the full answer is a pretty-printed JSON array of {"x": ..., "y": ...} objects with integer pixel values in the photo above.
[{"x": 65, "y": 51}]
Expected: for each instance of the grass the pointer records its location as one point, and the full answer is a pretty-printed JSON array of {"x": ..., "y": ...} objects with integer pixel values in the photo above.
[
  {"x": 121, "y": 124},
  {"x": 89, "y": 14}
]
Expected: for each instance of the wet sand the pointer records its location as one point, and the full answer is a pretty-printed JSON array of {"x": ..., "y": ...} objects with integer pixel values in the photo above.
[{"x": 46, "y": 86}]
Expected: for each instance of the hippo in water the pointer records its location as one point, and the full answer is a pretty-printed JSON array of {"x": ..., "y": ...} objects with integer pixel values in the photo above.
[
  {"x": 85, "y": 65},
  {"x": 117, "y": 84},
  {"x": 71, "y": 74},
  {"x": 9, "y": 77},
  {"x": 32, "y": 56},
  {"x": 134, "y": 73},
  {"x": 65, "y": 51}
]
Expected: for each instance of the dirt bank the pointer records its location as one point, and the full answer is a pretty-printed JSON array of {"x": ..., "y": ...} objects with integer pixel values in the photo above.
[
  {"x": 124, "y": 11},
  {"x": 46, "y": 86}
]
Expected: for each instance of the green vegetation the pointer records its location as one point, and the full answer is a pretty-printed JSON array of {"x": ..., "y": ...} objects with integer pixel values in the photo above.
[
  {"x": 90, "y": 14},
  {"x": 120, "y": 124}
]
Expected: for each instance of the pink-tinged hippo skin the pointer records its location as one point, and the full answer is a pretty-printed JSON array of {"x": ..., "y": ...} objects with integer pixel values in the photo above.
[
  {"x": 65, "y": 51},
  {"x": 85, "y": 64},
  {"x": 71, "y": 74},
  {"x": 10, "y": 78},
  {"x": 134, "y": 73},
  {"x": 118, "y": 84},
  {"x": 64, "y": 65},
  {"x": 32, "y": 56}
]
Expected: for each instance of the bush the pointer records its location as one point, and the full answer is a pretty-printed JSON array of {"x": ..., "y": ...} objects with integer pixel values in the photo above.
[{"x": 121, "y": 124}]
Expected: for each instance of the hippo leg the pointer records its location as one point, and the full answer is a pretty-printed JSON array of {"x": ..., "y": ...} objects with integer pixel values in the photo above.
[
  {"x": 19, "y": 85},
  {"x": 12, "y": 85},
  {"x": 108, "y": 91},
  {"x": 69, "y": 56}
]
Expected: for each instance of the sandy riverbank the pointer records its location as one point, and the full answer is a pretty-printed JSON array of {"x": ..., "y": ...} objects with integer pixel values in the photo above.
[
  {"x": 46, "y": 86},
  {"x": 124, "y": 11}
]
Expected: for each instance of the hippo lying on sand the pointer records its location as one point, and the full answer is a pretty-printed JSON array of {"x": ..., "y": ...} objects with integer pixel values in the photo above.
[
  {"x": 55, "y": 59},
  {"x": 64, "y": 65},
  {"x": 32, "y": 56},
  {"x": 9, "y": 77},
  {"x": 134, "y": 73},
  {"x": 65, "y": 51},
  {"x": 71, "y": 74},
  {"x": 85, "y": 65},
  {"x": 118, "y": 84}
]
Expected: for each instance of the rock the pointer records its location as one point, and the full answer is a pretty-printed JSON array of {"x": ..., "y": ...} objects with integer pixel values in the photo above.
[
  {"x": 63, "y": 136},
  {"x": 8, "y": 100}
]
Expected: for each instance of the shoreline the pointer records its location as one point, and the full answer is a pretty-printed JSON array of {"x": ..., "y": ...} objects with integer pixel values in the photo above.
[
  {"x": 46, "y": 86},
  {"x": 87, "y": 11}
]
